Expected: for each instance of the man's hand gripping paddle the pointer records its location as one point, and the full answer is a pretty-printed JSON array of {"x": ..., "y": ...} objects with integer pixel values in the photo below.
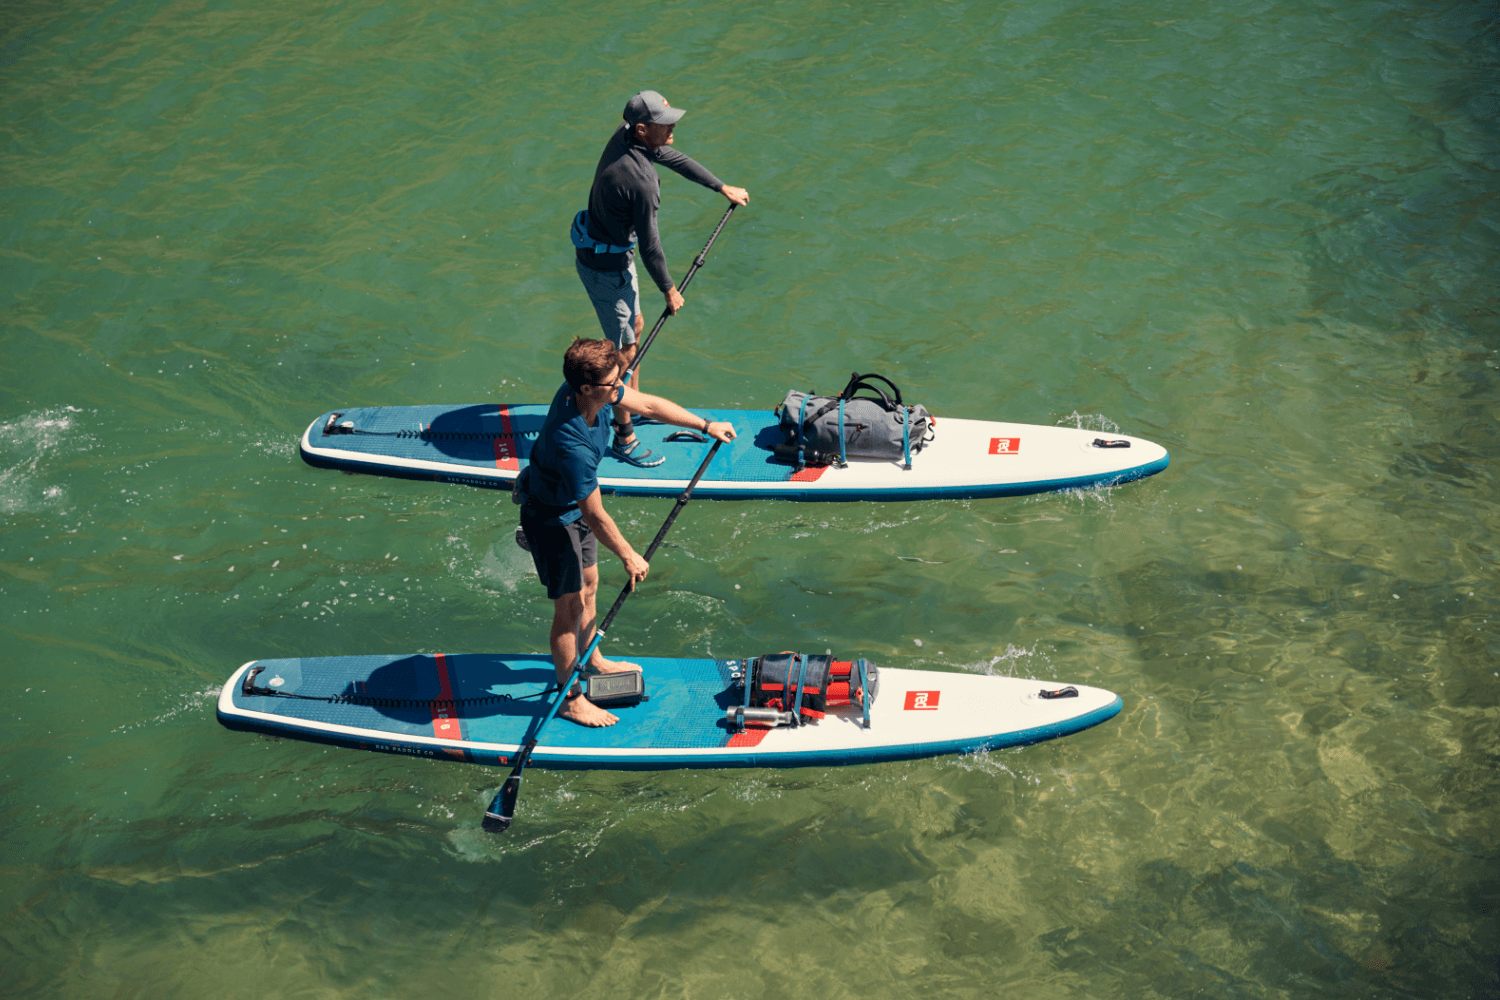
[
  {"x": 503, "y": 809},
  {"x": 697, "y": 263}
]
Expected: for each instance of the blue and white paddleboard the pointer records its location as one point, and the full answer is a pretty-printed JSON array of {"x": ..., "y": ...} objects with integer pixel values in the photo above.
[
  {"x": 486, "y": 445},
  {"x": 482, "y": 708}
]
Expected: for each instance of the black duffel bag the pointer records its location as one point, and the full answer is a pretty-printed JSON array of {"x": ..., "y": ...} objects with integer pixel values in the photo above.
[{"x": 823, "y": 430}]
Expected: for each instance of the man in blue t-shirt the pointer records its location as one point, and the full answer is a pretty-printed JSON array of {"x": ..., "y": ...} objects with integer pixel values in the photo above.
[{"x": 564, "y": 518}]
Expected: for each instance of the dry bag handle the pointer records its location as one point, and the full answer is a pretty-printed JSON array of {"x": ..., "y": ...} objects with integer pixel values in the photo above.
[{"x": 857, "y": 382}]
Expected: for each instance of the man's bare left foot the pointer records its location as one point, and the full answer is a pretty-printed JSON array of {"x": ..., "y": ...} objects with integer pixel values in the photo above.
[{"x": 613, "y": 666}]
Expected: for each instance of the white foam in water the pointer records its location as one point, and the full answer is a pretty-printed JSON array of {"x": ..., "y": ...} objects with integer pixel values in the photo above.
[
  {"x": 1090, "y": 422},
  {"x": 504, "y": 564},
  {"x": 25, "y": 444},
  {"x": 1016, "y": 661}
]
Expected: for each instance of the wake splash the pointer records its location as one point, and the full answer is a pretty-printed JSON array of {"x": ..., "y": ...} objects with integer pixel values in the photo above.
[{"x": 25, "y": 443}]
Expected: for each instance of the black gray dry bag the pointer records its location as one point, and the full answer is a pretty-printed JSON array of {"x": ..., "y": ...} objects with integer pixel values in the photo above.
[
  {"x": 819, "y": 430},
  {"x": 776, "y": 678}
]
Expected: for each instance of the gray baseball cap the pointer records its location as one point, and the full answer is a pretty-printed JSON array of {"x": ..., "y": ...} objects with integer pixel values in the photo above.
[{"x": 650, "y": 107}]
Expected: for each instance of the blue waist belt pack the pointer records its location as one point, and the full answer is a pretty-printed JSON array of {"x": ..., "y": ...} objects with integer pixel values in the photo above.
[{"x": 582, "y": 240}]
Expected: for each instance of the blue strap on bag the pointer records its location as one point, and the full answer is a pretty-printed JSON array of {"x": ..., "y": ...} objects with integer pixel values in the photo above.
[
  {"x": 802, "y": 433},
  {"x": 801, "y": 669},
  {"x": 905, "y": 435},
  {"x": 583, "y": 241},
  {"x": 864, "y": 686},
  {"x": 843, "y": 452}
]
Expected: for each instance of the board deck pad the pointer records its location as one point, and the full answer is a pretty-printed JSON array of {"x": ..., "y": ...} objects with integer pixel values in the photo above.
[
  {"x": 482, "y": 708},
  {"x": 486, "y": 445}
]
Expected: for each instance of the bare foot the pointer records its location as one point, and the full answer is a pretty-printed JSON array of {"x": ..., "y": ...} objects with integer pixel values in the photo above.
[
  {"x": 586, "y": 713},
  {"x": 613, "y": 666}
]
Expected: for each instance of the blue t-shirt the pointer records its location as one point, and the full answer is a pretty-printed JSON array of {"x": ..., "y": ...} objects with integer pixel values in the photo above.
[{"x": 566, "y": 457}]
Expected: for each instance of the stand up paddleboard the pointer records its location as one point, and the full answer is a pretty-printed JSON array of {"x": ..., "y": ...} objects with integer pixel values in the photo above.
[
  {"x": 481, "y": 708},
  {"x": 486, "y": 445}
]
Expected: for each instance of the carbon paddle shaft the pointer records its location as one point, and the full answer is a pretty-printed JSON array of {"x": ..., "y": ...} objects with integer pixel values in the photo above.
[
  {"x": 697, "y": 263},
  {"x": 502, "y": 809}
]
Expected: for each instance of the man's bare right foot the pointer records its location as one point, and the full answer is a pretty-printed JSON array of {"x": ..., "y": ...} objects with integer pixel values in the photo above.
[{"x": 586, "y": 713}]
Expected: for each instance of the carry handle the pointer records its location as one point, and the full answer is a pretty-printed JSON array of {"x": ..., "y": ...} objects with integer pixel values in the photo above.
[{"x": 857, "y": 382}]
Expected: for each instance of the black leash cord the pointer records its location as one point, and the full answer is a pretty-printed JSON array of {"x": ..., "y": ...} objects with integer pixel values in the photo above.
[
  {"x": 446, "y": 435},
  {"x": 363, "y": 699}
]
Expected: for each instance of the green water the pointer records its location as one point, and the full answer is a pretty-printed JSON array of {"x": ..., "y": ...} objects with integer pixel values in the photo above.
[{"x": 1264, "y": 234}]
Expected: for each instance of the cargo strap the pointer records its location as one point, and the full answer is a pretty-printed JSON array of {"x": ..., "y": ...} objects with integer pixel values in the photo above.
[
  {"x": 583, "y": 241},
  {"x": 749, "y": 666},
  {"x": 905, "y": 438},
  {"x": 801, "y": 670},
  {"x": 843, "y": 455},
  {"x": 864, "y": 689},
  {"x": 802, "y": 433}
]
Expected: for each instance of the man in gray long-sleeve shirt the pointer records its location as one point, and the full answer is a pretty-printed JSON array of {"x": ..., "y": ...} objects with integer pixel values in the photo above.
[{"x": 622, "y": 208}]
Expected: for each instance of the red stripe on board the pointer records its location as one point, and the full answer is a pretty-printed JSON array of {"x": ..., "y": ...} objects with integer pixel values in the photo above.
[
  {"x": 809, "y": 474},
  {"x": 506, "y": 450},
  {"x": 751, "y": 737},
  {"x": 445, "y": 724}
]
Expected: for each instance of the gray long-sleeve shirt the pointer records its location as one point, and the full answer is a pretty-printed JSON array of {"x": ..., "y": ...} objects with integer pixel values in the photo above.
[{"x": 624, "y": 200}]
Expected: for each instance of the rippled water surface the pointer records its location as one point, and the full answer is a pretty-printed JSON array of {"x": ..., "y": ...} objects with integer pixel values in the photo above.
[{"x": 1264, "y": 234}]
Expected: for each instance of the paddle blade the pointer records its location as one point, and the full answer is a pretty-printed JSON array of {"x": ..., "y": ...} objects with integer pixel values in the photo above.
[{"x": 501, "y": 811}]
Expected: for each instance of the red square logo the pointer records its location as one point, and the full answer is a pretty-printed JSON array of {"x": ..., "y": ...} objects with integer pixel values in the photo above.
[
  {"x": 922, "y": 701},
  {"x": 1004, "y": 446}
]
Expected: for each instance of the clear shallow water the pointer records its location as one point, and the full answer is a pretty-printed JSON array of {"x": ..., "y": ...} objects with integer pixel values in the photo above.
[{"x": 1264, "y": 235}]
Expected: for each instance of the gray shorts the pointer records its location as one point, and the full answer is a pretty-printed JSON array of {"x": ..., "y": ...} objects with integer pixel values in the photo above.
[
  {"x": 617, "y": 301},
  {"x": 560, "y": 553}
]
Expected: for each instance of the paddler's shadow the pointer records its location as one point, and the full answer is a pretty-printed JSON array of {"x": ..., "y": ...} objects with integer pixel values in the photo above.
[
  {"x": 481, "y": 434},
  {"x": 418, "y": 689},
  {"x": 766, "y": 439}
]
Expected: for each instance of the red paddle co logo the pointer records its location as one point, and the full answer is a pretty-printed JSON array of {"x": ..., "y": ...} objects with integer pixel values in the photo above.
[
  {"x": 1004, "y": 446},
  {"x": 922, "y": 701}
]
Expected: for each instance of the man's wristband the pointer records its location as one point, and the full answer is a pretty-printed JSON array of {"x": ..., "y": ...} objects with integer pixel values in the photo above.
[{"x": 705, "y": 425}]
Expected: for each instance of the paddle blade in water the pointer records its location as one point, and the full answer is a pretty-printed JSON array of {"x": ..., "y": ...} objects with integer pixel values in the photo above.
[{"x": 503, "y": 809}]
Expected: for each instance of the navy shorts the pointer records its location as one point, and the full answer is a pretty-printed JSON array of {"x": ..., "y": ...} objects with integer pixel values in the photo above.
[{"x": 560, "y": 553}]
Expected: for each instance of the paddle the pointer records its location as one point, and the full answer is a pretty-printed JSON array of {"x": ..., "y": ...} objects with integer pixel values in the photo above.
[
  {"x": 697, "y": 263},
  {"x": 503, "y": 808}
]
